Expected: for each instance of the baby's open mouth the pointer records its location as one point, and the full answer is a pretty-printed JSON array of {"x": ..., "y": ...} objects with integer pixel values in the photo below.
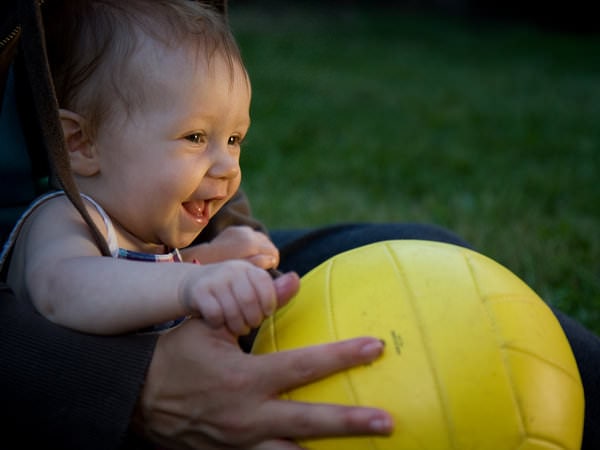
[{"x": 198, "y": 210}]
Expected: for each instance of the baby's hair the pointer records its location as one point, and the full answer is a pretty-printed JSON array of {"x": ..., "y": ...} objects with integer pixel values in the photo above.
[{"x": 92, "y": 46}]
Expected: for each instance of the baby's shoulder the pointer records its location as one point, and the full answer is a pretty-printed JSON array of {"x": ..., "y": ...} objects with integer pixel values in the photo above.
[
  {"x": 54, "y": 217},
  {"x": 51, "y": 209}
]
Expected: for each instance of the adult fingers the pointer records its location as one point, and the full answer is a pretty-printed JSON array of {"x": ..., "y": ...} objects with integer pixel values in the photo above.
[
  {"x": 285, "y": 370},
  {"x": 254, "y": 246},
  {"x": 312, "y": 420},
  {"x": 278, "y": 444},
  {"x": 264, "y": 261},
  {"x": 302, "y": 366}
]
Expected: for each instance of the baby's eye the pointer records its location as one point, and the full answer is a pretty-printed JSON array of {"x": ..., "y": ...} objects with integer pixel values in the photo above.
[
  {"x": 196, "y": 138},
  {"x": 234, "y": 140}
]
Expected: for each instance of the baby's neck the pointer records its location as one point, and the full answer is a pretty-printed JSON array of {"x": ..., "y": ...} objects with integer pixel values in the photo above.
[{"x": 129, "y": 241}]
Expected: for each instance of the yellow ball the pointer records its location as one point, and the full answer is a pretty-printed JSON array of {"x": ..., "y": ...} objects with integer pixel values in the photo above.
[{"x": 474, "y": 359}]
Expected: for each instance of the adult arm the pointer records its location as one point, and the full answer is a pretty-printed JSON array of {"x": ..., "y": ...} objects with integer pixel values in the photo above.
[{"x": 236, "y": 211}]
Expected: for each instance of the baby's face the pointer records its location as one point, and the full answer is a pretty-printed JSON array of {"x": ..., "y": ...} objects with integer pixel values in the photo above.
[{"x": 174, "y": 162}]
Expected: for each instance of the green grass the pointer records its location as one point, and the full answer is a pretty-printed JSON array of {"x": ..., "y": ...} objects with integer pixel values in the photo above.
[{"x": 490, "y": 130}]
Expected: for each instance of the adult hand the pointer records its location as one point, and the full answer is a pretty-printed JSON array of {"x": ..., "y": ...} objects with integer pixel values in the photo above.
[
  {"x": 203, "y": 392},
  {"x": 236, "y": 242}
]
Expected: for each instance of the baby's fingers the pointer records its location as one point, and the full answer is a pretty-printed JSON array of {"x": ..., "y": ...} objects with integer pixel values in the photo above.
[
  {"x": 212, "y": 312},
  {"x": 253, "y": 297},
  {"x": 286, "y": 286}
]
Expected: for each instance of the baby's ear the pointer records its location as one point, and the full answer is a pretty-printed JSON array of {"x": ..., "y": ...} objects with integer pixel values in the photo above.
[{"x": 82, "y": 154}]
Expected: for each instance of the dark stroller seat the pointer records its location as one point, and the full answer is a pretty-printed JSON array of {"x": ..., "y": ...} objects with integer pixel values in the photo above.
[{"x": 19, "y": 184}]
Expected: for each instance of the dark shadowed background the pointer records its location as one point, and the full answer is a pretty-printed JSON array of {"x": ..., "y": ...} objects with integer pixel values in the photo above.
[{"x": 483, "y": 117}]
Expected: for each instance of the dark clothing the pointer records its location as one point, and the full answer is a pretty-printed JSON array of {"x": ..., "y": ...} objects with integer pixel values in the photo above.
[
  {"x": 62, "y": 389},
  {"x": 303, "y": 249}
]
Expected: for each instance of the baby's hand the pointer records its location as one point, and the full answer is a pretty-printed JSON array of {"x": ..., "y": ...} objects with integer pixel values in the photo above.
[
  {"x": 236, "y": 242},
  {"x": 236, "y": 294}
]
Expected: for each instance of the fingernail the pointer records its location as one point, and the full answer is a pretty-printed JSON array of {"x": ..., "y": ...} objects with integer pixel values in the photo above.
[
  {"x": 381, "y": 425},
  {"x": 373, "y": 348}
]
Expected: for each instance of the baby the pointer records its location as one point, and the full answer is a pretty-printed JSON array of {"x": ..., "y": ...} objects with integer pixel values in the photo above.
[{"x": 154, "y": 105}]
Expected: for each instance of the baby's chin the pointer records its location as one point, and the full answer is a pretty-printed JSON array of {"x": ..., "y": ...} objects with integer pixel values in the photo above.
[{"x": 185, "y": 241}]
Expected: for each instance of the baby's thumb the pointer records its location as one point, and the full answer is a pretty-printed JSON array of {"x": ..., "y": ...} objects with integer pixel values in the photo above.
[{"x": 286, "y": 286}]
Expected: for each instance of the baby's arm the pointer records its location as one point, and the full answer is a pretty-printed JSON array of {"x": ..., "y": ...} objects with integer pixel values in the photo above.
[
  {"x": 236, "y": 242},
  {"x": 70, "y": 283}
]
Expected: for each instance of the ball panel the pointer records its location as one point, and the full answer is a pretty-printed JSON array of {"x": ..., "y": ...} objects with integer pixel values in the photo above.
[
  {"x": 550, "y": 400},
  {"x": 450, "y": 313},
  {"x": 493, "y": 279},
  {"x": 532, "y": 443},
  {"x": 524, "y": 320},
  {"x": 526, "y": 323},
  {"x": 367, "y": 305}
]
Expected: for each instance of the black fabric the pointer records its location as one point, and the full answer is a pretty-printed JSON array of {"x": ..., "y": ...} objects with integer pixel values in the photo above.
[
  {"x": 301, "y": 250},
  {"x": 9, "y": 38},
  {"x": 18, "y": 186},
  {"x": 62, "y": 389},
  {"x": 586, "y": 348}
]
